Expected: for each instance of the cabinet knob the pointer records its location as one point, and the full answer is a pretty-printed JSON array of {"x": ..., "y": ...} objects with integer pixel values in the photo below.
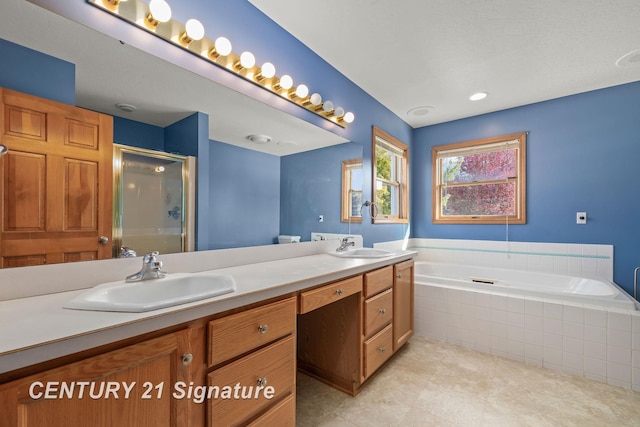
[
  {"x": 263, "y": 329},
  {"x": 399, "y": 276},
  {"x": 262, "y": 382},
  {"x": 339, "y": 292},
  {"x": 382, "y": 349},
  {"x": 186, "y": 359},
  {"x": 103, "y": 240},
  {"x": 383, "y": 311}
]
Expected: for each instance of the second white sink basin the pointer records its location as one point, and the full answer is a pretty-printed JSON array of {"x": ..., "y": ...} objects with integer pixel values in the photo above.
[
  {"x": 147, "y": 295},
  {"x": 363, "y": 253}
]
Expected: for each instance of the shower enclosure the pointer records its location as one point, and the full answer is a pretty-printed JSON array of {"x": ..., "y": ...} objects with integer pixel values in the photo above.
[{"x": 153, "y": 202}]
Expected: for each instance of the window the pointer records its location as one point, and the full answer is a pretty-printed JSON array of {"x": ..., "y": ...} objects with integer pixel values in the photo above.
[
  {"x": 481, "y": 181},
  {"x": 390, "y": 179},
  {"x": 352, "y": 190}
]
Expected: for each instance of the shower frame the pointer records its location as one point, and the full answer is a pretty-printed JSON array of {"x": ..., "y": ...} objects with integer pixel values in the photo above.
[{"x": 188, "y": 192}]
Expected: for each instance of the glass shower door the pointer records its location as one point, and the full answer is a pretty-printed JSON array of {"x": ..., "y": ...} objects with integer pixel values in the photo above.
[{"x": 151, "y": 213}]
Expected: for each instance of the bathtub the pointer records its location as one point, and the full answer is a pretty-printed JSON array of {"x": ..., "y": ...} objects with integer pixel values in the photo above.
[{"x": 594, "y": 292}]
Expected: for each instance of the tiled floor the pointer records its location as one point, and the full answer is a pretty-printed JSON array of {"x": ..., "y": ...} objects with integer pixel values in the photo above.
[{"x": 431, "y": 383}]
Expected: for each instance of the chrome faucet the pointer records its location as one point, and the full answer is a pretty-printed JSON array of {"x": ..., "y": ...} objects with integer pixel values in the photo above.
[
  {"x": 127, "y": 252},
  {"x": 150, "y": 269},
  {"x": 345, "y": 243}
]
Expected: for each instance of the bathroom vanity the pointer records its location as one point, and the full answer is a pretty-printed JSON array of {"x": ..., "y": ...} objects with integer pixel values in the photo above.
[{"x": 235, "y": 366}]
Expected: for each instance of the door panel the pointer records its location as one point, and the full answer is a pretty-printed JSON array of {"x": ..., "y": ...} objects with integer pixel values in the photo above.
[
  {"x": 57, "y": 181},
  {"x": 26, "y": 123},
  {"x": 24, "y": 206},
  {"x": 80, "y": 195}
]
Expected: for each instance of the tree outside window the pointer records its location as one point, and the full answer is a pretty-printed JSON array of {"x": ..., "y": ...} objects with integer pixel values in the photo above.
[{"x": 481, "y": 181}]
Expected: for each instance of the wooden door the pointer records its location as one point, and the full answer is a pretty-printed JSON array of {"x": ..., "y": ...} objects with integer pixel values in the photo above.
[
  {"x": 132, "y": 386},
  {"x": 56, "y": 189},
  {"x": 402, "y": 303}
]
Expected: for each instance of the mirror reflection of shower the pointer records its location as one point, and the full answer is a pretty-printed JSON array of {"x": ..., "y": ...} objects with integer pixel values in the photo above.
[{"x": 152, "y": 208}]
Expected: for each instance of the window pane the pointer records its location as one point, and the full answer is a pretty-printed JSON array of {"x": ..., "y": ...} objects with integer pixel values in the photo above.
[
  {"x": 356, "y": 178},
  {"x": 479, "y": 167},
  {"x": 476, "y": 200},
  {"x": 356, "y": 203},
  {"x": 387, "y": 199},
  {"x": 383, "y": 163}
]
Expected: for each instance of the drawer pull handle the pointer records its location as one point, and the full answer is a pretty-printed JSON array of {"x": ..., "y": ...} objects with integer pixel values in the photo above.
[
  {"x": 186, "y": 359},
  {"x": 339, "y": 292},
  {"x": 399, "y": 276},
  {"x": 382, "y": 349},
  {"x": 262, "y": 382},
  {"x": 383, "y": 311},
  {"x": 263, "y": 329}
]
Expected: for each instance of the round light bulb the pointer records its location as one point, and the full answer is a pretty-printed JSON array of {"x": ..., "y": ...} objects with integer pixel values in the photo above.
[
  {"x": 286, "y": 82},
  {"x": 302, "y": 91},
  {"x": 349, "y": 117},
  {"x": 268, "y": 70},
  {"x": 247, "y": 60},
  {"x": 223, "y": 46},
  {"x": 160, "y": 10},
  {"x": 327, "y": 106},
  {"x": 339, "y": 112},
  {"x": 194, "y": 29},
  {"x": 315, "y": 99}
]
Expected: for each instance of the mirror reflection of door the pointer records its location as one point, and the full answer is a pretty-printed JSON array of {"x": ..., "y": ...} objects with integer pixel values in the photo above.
[
  {"x": 151, "y": 204},
  {"x": 55, "y": 182}
]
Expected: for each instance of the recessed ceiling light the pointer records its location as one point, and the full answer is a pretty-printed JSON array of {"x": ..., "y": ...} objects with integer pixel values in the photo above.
[
  {"x": 420, "y": 111},
  {"x": 478, "y": 96},
  {"x": 631, "y": 58}
]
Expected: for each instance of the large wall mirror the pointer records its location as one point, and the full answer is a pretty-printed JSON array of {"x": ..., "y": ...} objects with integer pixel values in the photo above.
[{"x": 255, "y": 191}]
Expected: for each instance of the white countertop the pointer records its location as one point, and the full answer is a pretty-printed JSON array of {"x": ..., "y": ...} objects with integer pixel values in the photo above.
[{"x": 36, "y": 329}]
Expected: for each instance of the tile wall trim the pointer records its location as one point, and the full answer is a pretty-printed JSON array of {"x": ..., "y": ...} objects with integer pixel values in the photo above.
[{"x": 509, "y": 252}]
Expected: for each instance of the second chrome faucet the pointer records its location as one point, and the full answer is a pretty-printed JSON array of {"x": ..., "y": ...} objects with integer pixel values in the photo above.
[{"x": 151, "y": 269}]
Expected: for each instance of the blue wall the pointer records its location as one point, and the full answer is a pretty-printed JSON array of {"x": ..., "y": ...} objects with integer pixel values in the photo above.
[
  {"x": 582, "y": 155},
  {"x": 311, "y": 183},
  {"x": 29, "y": 71},
  {"x": 137, "y": 134},
  {"x": 244, "y": 197}
]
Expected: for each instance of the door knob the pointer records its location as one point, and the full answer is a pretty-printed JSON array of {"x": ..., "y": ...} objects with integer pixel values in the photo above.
[{"x": 103, "y": 240}]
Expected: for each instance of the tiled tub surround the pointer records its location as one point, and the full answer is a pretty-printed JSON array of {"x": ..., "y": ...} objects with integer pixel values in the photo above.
[
  {"x": 579, "y": 338},
  {"x": 582, "y": 260}
]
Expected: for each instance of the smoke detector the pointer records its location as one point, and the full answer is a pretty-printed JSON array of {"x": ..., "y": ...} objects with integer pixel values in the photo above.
[
  {"x": 259, "y": 139},
  {"x": 631, "y": 58},
  {"x": 127, "y": 108}
]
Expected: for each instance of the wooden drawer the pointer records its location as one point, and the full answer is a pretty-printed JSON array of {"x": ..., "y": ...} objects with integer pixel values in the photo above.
[
  {"x": 237, "y": 334},
  {"x": 378, "y": 312},
  {"x": 281, "y": 415},
  {"x": 333, "y": 292},
  {"x": 275, "y": 364},
  {"x": 377, "y": 350},
  {"x": 377, "y": 281}
]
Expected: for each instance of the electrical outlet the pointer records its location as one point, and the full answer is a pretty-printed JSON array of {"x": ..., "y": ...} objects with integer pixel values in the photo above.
[{"x": 581, "y": 217}]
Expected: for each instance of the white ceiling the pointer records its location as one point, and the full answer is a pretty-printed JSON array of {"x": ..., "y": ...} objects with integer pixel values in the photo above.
[
  {"x": 436, "y": 53},
  {"x": 108, "y": 72}
]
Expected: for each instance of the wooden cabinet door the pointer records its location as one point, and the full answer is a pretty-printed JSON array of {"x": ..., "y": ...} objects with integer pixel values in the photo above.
[
  {"x": 402, "y": 303},
  {"x": 56, "y": 188},
  {"x": 148, "y": 369}
]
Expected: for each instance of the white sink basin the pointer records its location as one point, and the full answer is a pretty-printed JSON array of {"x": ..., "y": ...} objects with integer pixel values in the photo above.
[
  {"x": 363, "y": 253},
  {"x": 147, "y": 295}
]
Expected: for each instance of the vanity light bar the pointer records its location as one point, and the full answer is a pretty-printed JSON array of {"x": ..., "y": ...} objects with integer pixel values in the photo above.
[{"x": 155, "y": 17}]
